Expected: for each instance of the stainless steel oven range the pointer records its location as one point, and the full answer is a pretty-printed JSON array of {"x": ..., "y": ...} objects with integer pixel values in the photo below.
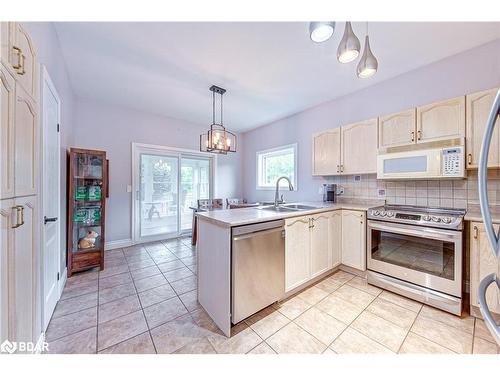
[{"x": 417, "y": 252}]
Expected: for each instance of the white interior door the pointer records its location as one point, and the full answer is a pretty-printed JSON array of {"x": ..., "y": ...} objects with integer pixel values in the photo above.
[{"x": 51, "y": 196}]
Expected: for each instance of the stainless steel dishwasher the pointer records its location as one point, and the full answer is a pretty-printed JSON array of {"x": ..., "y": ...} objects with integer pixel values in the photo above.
[{"x": 258, "y": 268}]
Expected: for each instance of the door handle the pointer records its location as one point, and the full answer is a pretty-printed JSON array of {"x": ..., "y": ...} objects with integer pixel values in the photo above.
[
  {"x": 419, "y": 135},
  {"x": 19, "y": 54},
  {"x": 469, "y": 159},
  {"x": 49, "y": 219},
  {"x": 475, "y": 232},
  {"x": 413, "y": 136}
]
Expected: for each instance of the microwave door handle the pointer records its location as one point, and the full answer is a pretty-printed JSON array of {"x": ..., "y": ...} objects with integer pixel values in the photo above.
[
  {"x": 483, "y": 305},
  {"x": 494, "y": 238}
]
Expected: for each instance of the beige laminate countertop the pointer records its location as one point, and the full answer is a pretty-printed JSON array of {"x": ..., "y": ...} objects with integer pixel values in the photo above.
[
  {"x": 251, "y": 215},
  {"x": 474, "y": 214}
]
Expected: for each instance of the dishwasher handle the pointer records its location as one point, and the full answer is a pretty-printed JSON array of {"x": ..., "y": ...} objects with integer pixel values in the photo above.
[{"x": 260, "y": 232}]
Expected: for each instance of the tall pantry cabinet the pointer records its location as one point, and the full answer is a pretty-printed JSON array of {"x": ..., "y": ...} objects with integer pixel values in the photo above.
[{"x": 19, "y": 218}]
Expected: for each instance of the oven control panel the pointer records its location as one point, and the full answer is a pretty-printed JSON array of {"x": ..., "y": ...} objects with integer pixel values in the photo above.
[{"x": 452, "y": 162}]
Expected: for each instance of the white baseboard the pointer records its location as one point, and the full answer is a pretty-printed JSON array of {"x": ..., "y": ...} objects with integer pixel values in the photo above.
[{"x": 110, "y": 245}]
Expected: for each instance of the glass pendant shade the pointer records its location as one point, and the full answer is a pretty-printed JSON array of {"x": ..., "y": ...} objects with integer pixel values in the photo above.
[
  {"x": 368, "y": 64},
  {"x": 349, "y": 46},
  {"x": 321, "y": 31}
]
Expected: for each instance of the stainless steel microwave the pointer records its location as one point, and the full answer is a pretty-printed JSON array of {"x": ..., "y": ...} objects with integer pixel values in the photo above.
[{"x": 429, "y": 163}]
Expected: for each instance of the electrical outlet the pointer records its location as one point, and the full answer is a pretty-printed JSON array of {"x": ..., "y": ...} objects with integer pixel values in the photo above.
[
  {"x": 340, "y": 190},
  {"x": 381, "y": 193},
  {"x": 357, "y": 178}
]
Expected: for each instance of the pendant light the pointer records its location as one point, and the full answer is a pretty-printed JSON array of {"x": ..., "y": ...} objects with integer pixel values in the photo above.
[
  {"x": 368, "y": 64},
  {"x": 218, "y": 139},
  {"x": 321, "y": 31},
  {"x": 349, "y": 46}
]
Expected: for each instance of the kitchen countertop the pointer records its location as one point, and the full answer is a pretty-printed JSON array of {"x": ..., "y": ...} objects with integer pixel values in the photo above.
[
  {"x": 244, "y": 216},
  {"x": 474, "y": 214}
]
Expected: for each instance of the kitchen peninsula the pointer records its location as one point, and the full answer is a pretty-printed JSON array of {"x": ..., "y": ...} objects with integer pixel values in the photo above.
[{"x": 319, "y": 237}]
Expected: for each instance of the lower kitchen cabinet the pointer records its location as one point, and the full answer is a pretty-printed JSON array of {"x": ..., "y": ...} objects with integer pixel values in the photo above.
[
  {"x": 354, "y": 239},
  {"x": 312, "y": 246},
  {"x": 18, "y": 269},
  {"x": 482, "y": 263},
  {"x": 297, "y": 252}
]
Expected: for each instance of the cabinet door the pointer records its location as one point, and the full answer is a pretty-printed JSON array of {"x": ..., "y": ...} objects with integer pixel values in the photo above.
[
  {"x": 6, "y": 34},
  {"x": 397, "y": 129},
  {"x": 6, "y": 248},
  {"x": 297, "y": 252},
  {"x": 335, "y": 237},
  {"x": 441, "y": 120},
  {"x": 354, "y": 239},
  {"x": 320, "y": 245},
  {"x": 24, "y": 272},
  {"x": 25, "y": 144},
  {"x": 478, "y": 109},
  {"x": 483, "y": 263},
  {"x": 326, "y": 153},
  {"x": 359, "y": 147},
  {"x": 7, "y": 106},
  {"x": 24, "y": 46}
]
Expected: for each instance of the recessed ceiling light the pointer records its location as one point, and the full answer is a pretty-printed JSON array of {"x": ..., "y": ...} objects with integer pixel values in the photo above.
[{"x": 321, "y": 31}]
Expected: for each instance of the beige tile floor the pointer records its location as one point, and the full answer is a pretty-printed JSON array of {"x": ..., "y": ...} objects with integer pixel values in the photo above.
[{"x": 145, "y": 302}]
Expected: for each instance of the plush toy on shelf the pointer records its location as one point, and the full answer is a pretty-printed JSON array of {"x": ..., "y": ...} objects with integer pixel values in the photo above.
[{"x": 88, "y": 241}]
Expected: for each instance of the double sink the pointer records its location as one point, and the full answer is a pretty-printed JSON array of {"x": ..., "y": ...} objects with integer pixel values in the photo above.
[{"x": 287, "y": 207}]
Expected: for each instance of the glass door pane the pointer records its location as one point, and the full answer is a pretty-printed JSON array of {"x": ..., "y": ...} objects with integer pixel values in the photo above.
[
  {"x": 158, "y": 207},
  {"x": 195, "y": 184}
]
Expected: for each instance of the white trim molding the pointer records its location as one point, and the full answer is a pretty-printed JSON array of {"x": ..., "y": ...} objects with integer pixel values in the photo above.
[{"x": 110, "y": 245}]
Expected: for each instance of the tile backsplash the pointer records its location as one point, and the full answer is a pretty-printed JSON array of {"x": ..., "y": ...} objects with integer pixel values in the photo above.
[{"x": 431, "y": 193}]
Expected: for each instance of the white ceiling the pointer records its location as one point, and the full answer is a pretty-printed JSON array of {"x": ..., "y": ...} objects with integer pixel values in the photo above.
[{"x": 271, "y": 70}]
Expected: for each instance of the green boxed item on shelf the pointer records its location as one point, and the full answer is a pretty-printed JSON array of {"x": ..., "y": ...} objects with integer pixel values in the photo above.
[
  {"x": 94, "y": 215},
  {"x": 94, "y": 193},
  {"x": 80, "y": 215},
  {"x": 81, "y": 193}
]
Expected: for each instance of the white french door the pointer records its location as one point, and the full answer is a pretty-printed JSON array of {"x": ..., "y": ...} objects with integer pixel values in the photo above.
[{"x": 167, "y": 182}]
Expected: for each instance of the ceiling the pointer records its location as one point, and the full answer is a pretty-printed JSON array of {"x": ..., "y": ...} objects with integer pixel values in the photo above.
[{"x": 270, "y": 70}]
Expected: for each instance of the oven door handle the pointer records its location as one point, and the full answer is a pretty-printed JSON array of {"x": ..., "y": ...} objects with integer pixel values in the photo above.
[{"x": 420, "y": 232}]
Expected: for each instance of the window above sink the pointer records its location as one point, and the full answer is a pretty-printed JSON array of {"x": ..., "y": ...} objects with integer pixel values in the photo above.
[{"x": 274, "y": 163}]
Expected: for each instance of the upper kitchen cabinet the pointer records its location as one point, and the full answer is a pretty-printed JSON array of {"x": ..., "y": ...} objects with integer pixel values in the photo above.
[
  {"x": 6, "y": 34},
  {"x": 25, "y": 145},
  {"x": 7, "y": 105},
  {"x": 24, "y": 60},
  {"x": 478, "y": 109},
  {"x": 326, "y": 153},
  {"x": 441, "y": 120},
  {"x": 359, "y": 147},
  {"x": 397, "y": 129}
]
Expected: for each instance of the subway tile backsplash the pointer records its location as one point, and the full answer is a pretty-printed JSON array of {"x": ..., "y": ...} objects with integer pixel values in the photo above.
[{"x": 431, "y": 193}]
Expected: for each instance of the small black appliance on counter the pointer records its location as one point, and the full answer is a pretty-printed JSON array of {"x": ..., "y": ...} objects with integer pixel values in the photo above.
[{"x": 329, "y": 193}]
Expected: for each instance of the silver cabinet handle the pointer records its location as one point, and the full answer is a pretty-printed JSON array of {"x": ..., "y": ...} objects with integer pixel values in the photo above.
[
  {"x": 494, "y": 238},
  {"x": 483, "y": 305}
]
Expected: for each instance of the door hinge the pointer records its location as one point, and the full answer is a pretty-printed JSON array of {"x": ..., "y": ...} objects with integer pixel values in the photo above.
[
  {"x": 58, "y": 128},
  {"x": 58, "y": 276}
]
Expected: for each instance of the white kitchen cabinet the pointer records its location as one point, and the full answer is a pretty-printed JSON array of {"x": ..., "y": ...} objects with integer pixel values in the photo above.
[
  {"x": 441, "y": 120},
  {"x": 297, "y": 252},
  {"x": 6, "y": 41},
  {"x": 478, "y": 109},
  {"x": 335, "y": 237},
  {"x": 7, "y": 107},
  {"x": 26, "y": 144},
  {"x": 6, "y": 246},
  {"x": 326, "y": 153},
  {"x": 397, "y": 129},
  {"x": 359, "y": 147},
  {"x": 482, "y": 263},
  {"x": 320, "y": 244},
  {"x": 24, "y": 51},
  {"x": 354, "y": 239}
]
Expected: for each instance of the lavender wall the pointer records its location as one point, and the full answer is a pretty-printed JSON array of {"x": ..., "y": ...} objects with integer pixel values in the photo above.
[
  {"x": 470, "y": 71},
  {"x": 113, "y": 129}
]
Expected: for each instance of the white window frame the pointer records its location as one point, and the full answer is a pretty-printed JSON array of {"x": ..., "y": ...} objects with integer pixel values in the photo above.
[{"x": 273, "y": 152}]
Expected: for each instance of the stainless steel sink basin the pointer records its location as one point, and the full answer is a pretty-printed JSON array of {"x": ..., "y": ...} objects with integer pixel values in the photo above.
[
  {"x": 299, "y": 207},
  {"x": 277, "y": 209}
]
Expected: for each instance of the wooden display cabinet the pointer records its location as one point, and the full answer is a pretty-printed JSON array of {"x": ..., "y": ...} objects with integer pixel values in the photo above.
[{"x": 87, "y": 187}]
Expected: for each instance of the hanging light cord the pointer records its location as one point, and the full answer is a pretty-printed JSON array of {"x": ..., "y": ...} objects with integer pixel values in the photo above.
[
  {"x": 213, "y": 107},
  {"x": 221, "y": 112}
]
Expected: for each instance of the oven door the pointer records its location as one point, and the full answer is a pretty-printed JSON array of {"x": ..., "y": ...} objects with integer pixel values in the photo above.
[{"x": 429, "y": 257}]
